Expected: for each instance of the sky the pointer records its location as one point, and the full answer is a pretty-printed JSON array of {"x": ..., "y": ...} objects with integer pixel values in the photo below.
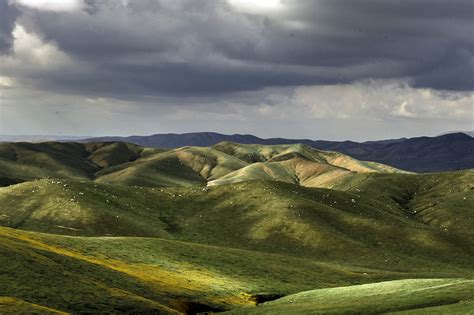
[{"x": 321, "y": 69}]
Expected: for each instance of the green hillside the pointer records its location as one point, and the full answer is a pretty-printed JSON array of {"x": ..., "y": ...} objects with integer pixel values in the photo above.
[
  {"x": 296, "y": 164},
  {"x": 443, "y": 200},
  {"x": 420, "y": 296},
  {"x": 181, "y": 167},
  {"x": 151, "y": 274},
  {"x": 272, "y": 153},
  {"x": 265, "y": 215},
  {"x": 130, "y": 165},
  {"x": 117, "y": 228},
  {"x": 25, "y": 161}
]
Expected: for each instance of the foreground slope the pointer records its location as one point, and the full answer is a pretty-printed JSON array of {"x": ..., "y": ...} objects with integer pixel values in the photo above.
[
  {"x": 10, "y": 305},
  {"x": 153, "y": 275},
  {"x": 420, "y": 296},
  {"x": 75, "y": 283}
]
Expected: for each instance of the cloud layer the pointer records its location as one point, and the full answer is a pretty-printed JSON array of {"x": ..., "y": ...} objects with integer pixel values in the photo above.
[
  {"x": 202, "y": 47},
  {"x": 340, "y": 60},
  {"x": 361, "y": 111}
]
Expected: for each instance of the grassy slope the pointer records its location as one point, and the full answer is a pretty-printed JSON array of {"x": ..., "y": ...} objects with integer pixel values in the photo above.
[
  {"x": 10, "y": 305},
  {"x": 181, "y": 167},
  {"x": 268, "y": 216},
  {"x": 106, "y": 155},
  {"x": 295, "y": 171},
  {"x": 26, "y": 161},
  {"x": 131, "y": 165},
  {"x": 263, "y": 153},
  {"x": 420, "y": 296},
  {"x": 296, "y": 164},
  {"x": 209, "y": 243},
  {"x": 78, "y": 208},
  {"x": 443, "y": 200},
  {"x": 152, "y": 274},
  {"x": 73, "y": 285}
]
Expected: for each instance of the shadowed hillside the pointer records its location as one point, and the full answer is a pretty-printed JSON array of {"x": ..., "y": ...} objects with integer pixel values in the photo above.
[{"x": 25, "y": 161}]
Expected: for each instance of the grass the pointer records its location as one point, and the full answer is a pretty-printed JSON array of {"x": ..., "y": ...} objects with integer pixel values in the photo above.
[
  {"x": 444, "y": 200},
  {"x": 88, "y": 274},
  {"x": 419, "y": 296},
  {"x": 120, "y": 228},
  {"x": 10, "y": 305},
  {"x": 38, "y": 275},
  {"x": 266, "y": 215}
]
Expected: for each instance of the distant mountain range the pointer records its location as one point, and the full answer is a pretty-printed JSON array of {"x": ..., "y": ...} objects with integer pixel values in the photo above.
[
  {"x": 38, "y": 138},
  {"x": 447, "y": 152},
  {"x": 469, "y": 133}
]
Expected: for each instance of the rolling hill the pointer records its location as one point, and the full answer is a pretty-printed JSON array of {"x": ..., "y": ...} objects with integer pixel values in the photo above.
[
  {"x": 119, "y": 228},
  {"x": 454, "y": 151},
  {"x": 127, "y": 164},
  {"x": 297, "y": 164},
  {"x": 26, "y": 161}
]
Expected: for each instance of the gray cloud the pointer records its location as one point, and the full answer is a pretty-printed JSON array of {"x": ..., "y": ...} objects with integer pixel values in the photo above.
[
  {"x": 201, "y": 47},
  {"x": 8, "y": 15}
]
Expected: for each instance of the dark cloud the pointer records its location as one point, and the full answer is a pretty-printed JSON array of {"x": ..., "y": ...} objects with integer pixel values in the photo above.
[
  {"x": 8, "y": 15},
  {"x": 199, "y": 47}
]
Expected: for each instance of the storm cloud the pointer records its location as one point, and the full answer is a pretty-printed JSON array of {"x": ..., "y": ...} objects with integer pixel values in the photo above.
[
  {"x": 8, "y": 15},
  {"x": 202, "y": 47}
]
